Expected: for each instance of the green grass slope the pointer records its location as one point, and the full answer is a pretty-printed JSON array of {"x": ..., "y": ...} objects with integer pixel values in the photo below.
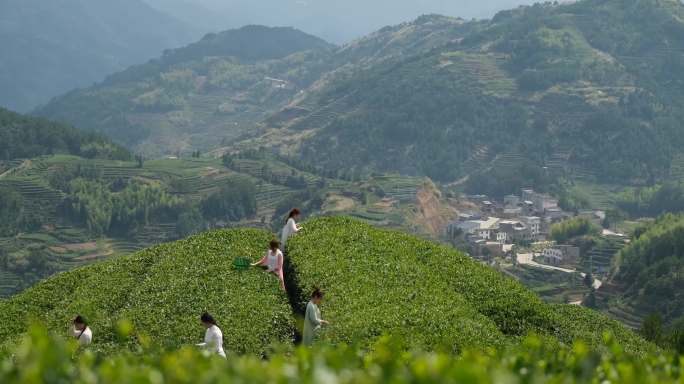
[
  {"x": 380, "y": 281},
  {"x": 162, "y": 291}
]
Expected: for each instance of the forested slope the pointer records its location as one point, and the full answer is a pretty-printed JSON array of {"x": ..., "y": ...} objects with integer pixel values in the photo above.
[
  {"x": 590, "y": 88},
  {"x": 23, "y": 137},
  {"x": 651, "y": 269},
  {"x": 593, "y": 86}
]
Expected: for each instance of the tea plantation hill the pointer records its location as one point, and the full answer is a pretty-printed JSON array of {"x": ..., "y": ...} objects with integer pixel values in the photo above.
[{"x": 377, "y": 282}]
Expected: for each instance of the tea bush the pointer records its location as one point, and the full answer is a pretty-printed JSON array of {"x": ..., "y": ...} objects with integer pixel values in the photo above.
[
  {"x": 386, "y": 281},
  {"x": 376, "y": 285},
  {"x": 163, "y": 290},
  {"x": 43, "y": 358}
]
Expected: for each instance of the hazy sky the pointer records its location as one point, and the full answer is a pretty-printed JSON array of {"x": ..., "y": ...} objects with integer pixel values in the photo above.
[{"x": 335, "y": 20}]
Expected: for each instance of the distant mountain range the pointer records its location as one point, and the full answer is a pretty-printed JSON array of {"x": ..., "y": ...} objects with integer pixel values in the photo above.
[
  {"x": 51, "y": 47},
  {"x": 336, "y": 21},
  {"x": 593, "y": 87},
  {"x": 198, "y": 96}
]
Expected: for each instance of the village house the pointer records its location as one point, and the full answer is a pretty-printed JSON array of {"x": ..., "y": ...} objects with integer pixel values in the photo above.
[
  {"x": 541, "y": 202},
  {"x": 510, "y": 231},
  {"x": 533, "y": 223},
  {"x": 561, "y": 254},
  {"x": 481, "y": 229}
]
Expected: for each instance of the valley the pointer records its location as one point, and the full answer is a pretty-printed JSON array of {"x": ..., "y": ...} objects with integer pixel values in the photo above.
[{"x": 486, "y": 200}]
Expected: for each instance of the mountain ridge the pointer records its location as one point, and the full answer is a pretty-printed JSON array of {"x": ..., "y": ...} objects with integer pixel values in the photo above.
[
  {"x": 222, "y": 82},
  {"x": 58, "y": 47},
  {"x": 432, "y": 96}
]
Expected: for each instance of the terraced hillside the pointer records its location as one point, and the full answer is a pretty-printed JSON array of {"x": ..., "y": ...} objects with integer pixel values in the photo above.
[
  {"x": 369, "y": 275},
  {"x": 197, "y": 96},
  {"x": 51, "y": 239},
  {"x": 437, "y": 97},
  {"x": 543, "y": 81}
]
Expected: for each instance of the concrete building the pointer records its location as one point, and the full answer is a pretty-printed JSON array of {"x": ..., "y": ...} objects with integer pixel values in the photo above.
[
  {"x": 512, "y": 230},
  {"x": 479, "y": 228},
  {"x": 533, "y": 223},
  {"x": 561, "y": 254},
  {"x": 511, "y": 213},
  {"x": 541, "y": 201}
]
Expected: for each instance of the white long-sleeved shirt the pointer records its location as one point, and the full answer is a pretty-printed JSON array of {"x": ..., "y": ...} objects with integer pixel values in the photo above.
[
  {"x": 290, "y": 229},
  {"x": 84, "y": 338},
  {"x": 213, "y": 341},
  {"x": 312, "y": 323}
]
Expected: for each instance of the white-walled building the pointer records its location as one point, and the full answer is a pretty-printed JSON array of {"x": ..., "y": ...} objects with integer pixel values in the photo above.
[
  {"x": 561, "y": 254},
  {"x": 480, "y": 228},
  {"x": 533, "y": 223}
]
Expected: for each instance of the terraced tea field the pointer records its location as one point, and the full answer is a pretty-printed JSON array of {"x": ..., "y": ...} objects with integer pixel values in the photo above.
[
  {"x": 600, "y": 196},
  {"x": 483, "y": 68},
  {"x": 601, "y": 256},
  {"x": 401, "y": 188},
  {"x": 552, "y": 286},
  {"x": 68, "y": 246},
  {"x": 40, "y": 200}
]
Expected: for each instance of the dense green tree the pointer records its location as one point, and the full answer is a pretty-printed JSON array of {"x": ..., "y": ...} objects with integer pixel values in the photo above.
[
  {"x": 651, "y": 268},
  {"x": 652, "y": 329},
  {"x": 653, "y": 201},
  {"x": 571, "y": 228},
  {"x": 11, "y": 208},
  {"x": 26, "y": 137},
  {"x": 234, "y": 201},
  {"x": 103, "y": 210},
  {"x": 190, "y": 222},
  {"x": 91, "y": 203},
  {"x": 138, "y": 203}
]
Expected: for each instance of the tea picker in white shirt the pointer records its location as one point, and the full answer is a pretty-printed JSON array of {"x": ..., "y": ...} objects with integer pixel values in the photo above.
[
  {"x": 273, "y": 261},
  {"x": 291, "y": 227},
  {"x": 81, "y": 331},
  {"x": 213, "y": 337}
]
